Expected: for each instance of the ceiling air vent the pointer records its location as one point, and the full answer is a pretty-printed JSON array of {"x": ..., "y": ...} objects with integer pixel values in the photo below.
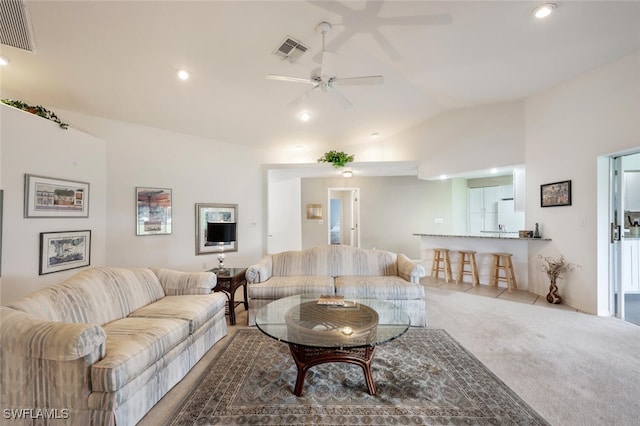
[
  {"x": 16, "y": 27},
  {"x": 290, "y": 49}
]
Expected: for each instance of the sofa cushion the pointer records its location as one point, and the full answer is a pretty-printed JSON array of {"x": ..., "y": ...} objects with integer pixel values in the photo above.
[
  {"x": 97, "y": 295},
  {"x": 134, "y": 344},
  {"x": 196, "y": 309},
  {"x": 278, "y": 287},
  {"x": 385, "y": 288}
]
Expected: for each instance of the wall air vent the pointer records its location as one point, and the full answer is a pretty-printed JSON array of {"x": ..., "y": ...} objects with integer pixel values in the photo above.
[
  {"x": 290, "y": 49},
  {"x": 16, "y": 29}
]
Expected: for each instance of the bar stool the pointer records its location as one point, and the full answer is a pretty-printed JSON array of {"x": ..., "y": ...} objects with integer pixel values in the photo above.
[
  {"x": 468, "y": 257},
  {"x": 502, "y": 262},
  {"x": 441, "y": 262}
]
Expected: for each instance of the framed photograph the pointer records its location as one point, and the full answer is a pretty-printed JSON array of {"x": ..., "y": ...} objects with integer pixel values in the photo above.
[
  {"x": 52, "y": 197},
  {"x": 214, "y": 213},
  {"x": 153, "y": 211},
  {"x": 314, "y": 211},
  {"x": 60, "y": 251},
  {"x": 555, "y": 194}
]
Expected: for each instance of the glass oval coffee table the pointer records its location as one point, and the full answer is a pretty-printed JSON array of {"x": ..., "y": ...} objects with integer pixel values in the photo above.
[{"x": 320, "y": 333}]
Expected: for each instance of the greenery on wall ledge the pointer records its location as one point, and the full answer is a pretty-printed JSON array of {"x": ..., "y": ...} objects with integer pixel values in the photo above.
[
  {"x": 338, "y": 159},
  {"x": 37, "y": 110}
]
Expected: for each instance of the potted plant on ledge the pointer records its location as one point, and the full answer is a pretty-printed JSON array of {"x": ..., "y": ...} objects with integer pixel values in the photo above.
[
  {"x": 338, "y": 159},
  {"x": 37, "y": 110}
]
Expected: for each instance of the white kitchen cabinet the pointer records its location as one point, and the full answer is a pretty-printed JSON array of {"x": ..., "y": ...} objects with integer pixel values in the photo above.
[
  {"x": 630, "y": 266},
  {"x": 505, "y": 192},
  {"x": 483, "y": 209}
]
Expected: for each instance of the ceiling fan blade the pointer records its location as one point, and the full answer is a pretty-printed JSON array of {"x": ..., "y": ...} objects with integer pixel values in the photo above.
[
  {"x": 302, "y": 97},
  {"x": 359, "y": 81},
  {"x": 342, "y": 99},
  {"x": 291, "y": 79}
]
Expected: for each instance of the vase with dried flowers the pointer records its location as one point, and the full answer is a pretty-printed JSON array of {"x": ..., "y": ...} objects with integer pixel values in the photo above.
[{"x": 554, "y": 267}]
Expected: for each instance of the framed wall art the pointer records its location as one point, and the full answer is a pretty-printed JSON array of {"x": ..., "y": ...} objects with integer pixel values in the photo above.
[
  {"x": 555, "y": 194},
  {"x": 60, "y": 251},
  {"x": 214, "y": 213},
  {"x": 52, "y": 197},
  {"x": 314, "y": 211},
  {"x": 153, "y": 211}
]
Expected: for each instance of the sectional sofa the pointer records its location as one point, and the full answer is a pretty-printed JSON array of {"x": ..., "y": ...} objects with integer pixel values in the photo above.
[
  {"x": 104, "y": 346},
  {"x": 338, "y": 269}
]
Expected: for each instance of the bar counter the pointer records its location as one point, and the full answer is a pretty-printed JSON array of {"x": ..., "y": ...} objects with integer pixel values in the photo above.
[{"x": 484, "y": 245}]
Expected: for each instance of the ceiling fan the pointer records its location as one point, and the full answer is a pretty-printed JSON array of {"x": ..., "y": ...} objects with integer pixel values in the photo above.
[{"x": 325, "y": 79}]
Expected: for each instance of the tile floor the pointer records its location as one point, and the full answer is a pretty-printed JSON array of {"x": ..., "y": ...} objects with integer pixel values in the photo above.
[{"x": 521, "y": 296}]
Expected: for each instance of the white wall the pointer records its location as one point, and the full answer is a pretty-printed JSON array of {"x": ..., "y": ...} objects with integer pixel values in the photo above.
[
  {"x": 34, "y": 145},
  {"x": 465, "y": 140},
  {"x": 198, "y": 171},
  {"x": 567, "y": 128},
  {"x": 284, "y": 217},
  {"x": 122, "y": 157},
  {"x": 392, "y": 209}
]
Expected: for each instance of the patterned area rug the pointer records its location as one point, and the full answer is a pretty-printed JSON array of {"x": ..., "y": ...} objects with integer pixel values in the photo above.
[{"x": 423, "y": 377}]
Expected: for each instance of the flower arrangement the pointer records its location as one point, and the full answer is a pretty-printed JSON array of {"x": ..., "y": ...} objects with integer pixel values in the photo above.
[
  {"x": 554, "y": 267},
  {"x": 37, "y": 110},
  {"x": 338, "y": 159}
]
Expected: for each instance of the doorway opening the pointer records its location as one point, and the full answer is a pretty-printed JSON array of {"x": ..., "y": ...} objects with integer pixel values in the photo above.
[
  {"x": 625, "y": 237},
  {"x": 343, "y": 223}
]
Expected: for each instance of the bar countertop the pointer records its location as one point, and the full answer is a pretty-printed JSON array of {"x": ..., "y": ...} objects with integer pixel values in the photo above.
[{"x": 493, "y": 237}]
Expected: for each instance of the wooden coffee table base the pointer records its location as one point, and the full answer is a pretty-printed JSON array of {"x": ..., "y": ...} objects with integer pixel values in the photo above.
[{"x": 306, "y": 357}]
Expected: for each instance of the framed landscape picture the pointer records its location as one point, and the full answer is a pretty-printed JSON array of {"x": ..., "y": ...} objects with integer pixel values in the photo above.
[
  {"x": 153, "y": 211},
  {"x": 213, "y": 213},
  {"x": 52, "y": 197},
  {"x": 60, "y": 251},
  {"x": 555, "y": 194}
]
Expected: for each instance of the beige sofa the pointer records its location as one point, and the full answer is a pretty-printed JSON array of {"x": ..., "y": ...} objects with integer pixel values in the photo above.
[
  {"x": 105, "y": 345},
  {"x": 342, "y": 270}
]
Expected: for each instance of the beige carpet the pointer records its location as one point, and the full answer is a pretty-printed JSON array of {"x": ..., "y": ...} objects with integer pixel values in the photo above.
[{"x": 572, "y": 368}]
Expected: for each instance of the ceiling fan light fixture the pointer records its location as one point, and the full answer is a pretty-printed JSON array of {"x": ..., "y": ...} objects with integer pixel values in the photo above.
[
  {"x": 304, "y": 116},
  {"x": 183, "y": 74},
  {"x": 544, "y": 10}
]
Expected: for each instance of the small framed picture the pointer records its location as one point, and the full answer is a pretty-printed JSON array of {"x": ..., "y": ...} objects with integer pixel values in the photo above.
[
  {"x": 555, "y": 194},
  {"x": 153, "y": 211},
  {"x": 314, "y": 211},
  {"x": 52, "y": 197},
  {"x": 207, "y": 214},
  {"x": 60, "y": 251}
]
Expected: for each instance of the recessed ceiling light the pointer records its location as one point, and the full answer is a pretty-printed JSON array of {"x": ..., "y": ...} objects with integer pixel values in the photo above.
[
  {"x": 304, "y": 116},
  {"x": 493, "y": 171},
  {"x": 347, "y": 173},
  {"x": 443, "y": 177},
  {"x": 4, "y": 60},
  {"x": 374, "y": 135},
  {"x": 544, "y": 10},
  {"x": 183, "y": 74}
]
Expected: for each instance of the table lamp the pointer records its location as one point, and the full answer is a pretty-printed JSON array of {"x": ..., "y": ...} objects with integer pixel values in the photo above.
[{"x": 221, "y": 233}]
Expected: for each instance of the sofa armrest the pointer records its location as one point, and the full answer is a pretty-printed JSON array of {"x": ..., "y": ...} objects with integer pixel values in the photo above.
[
  {"x": 261, "y": 271},
  {"x": 409, "y": 270},
  {"x": 29, "y": 336},
  {"x": 176, "y": 283}
]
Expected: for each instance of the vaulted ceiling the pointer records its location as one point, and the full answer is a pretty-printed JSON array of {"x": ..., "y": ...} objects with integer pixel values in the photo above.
[{"x": 118, "y": 59}]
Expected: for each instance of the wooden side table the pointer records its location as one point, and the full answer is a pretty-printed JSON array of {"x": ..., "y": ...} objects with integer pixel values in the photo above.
[{"x": 228, "y": 281}]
